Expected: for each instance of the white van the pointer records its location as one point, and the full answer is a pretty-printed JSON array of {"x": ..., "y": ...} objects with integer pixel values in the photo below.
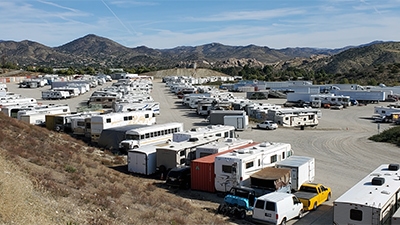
[{"x": 277, "y": 208}]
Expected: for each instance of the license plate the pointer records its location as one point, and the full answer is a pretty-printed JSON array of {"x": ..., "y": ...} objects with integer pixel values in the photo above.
[{"x": 268, "y": 214}]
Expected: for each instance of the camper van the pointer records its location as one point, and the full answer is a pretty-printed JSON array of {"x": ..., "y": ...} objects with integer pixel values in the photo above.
[
  {"x": 373, "y": 200},
  {"x": 277, "y": 208},
  {"x": 234, "y": 168}
]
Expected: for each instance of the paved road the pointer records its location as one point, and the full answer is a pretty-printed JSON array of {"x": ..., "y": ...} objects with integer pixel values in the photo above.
[{"x": 340, "y": 144}]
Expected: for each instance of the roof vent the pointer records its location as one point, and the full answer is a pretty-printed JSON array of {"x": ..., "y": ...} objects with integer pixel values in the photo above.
[
  {"x": 378, "y": 181},
  {"x": 242, "y": 151},
  {"x": 393, "y": 167}
]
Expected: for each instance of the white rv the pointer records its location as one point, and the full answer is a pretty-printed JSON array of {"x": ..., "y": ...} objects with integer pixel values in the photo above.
[
  {"x": 143, "y": 160},
  {"x": 119, "y": 106},
  {"x": 221, "y": 146},
  {"x": 7, "y": 101},
  {"x": 220, "y": 131},
  {"x": 109, "y": 120},
  {"x": 297, "y": 120},
  {"x": 177, "y": 154},
  {"x": 37, "y": 115},
  {"x": 52, "y": 94},
  {"x": 385, "y": 114},
  {"x": 373, "y": 200},
  {"x": 234, "y": 168}
]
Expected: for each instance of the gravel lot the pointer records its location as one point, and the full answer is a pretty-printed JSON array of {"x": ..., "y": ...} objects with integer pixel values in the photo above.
[{"x": 340, "y": 144}]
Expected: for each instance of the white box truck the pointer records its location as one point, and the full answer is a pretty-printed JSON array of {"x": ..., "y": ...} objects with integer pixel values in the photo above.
[{"x": 302, "y": 170}]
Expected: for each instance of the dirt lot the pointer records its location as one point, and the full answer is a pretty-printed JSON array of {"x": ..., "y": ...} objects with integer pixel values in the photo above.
[{"x": 340, "y": 144}]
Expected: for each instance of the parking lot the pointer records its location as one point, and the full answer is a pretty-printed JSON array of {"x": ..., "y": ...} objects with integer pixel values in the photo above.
[{"x": 339, "y": 144}]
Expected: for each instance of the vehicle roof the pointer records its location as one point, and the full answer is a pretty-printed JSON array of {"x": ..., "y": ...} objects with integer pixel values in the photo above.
[
  {"x": 294, "y": 160},
  {"x": 180, "y": 168},
  {"x": 275, "y": 196},
  {"x": 375, "y": 196},
  {"x": 262, "y": 148}
]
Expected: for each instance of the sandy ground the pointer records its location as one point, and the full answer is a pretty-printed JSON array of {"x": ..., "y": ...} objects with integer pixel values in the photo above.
[{"x": 339, "y": 144}]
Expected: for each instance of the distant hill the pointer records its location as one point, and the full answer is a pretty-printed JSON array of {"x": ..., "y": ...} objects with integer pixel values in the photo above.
[
  {"x": 99, "y": 52},
  {"x": 363, "y": 58},
  {"x": 94, "y": 50}
]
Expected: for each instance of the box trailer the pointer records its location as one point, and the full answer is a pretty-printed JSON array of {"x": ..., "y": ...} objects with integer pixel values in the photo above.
[
  {"x": 239, "y": 122},
  {"x": 373, "y": 200},
  {"x": 302, "y": 170},
  {"x": 217, "y": 116},
  {"x": 143, "y": 160}
]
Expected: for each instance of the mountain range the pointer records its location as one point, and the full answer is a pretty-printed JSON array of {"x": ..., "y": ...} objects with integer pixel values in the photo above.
[{"x": 92, "y": 50}]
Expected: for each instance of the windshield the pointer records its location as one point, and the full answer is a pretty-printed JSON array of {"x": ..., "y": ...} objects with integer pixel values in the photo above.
[{"x": 132, "y": 137}]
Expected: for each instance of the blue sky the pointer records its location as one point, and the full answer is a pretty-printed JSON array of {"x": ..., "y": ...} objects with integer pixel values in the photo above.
[{"x": 166, "y": 24}]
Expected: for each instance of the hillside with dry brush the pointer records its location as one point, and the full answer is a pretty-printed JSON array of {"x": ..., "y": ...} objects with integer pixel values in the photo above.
[{"x": 52, "y": 178}]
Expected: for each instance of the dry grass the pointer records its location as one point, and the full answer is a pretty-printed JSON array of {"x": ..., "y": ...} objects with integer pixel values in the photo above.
[{"x": 51, "y": 178}]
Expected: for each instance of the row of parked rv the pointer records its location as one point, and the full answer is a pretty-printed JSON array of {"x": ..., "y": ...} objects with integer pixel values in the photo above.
[
  {"x": 89, "y": 123},
  {"x": 204, "y": 152},
  {"x": 223, "y": 107},
  {"x": 333, "y": 94}
]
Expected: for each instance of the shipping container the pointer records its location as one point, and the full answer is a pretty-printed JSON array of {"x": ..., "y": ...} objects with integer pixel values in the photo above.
[{"x": 202, "y": 171}]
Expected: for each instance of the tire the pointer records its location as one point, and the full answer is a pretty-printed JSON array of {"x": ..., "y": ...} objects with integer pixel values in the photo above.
[
  {"x": 301, "y": 214},
  {"x": 329, "y": 197},
  {"x": 283, "y": 221},
  {"x": 241, "y": 214},
  {"x": 220, "y": 209},
  {"x": 314, "y": 206}
]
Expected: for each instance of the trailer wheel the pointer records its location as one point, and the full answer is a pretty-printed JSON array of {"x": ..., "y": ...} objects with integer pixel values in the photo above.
[{"x": 329, "y": 197}]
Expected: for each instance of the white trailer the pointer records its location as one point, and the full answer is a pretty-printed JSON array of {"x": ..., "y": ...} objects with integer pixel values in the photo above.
[
  {"x": 373, "y": 200},
  {"x": 382, "y": 111},
  {"x": 234, "y": 168},
  {"x": 136, "y": 106},
  {"x": 177, "y": 154},
  {"x": 12, "y": 110},
  {"x": 40, "y": 112},
  {"x": 221, "y": 146},
  {"x": 52, "y": 94},
  {"x": 239, "y": 122},
  {"x": 363, "y": 96},
  {"x": 297, "y": 120},
  {"x": 110, "y": 120},
  {"x": 302, "y": 170},
  {"x": 16, "y": 101},
  {"x": 143, "y": 160},
  {"x": 220, "y": 131}
]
